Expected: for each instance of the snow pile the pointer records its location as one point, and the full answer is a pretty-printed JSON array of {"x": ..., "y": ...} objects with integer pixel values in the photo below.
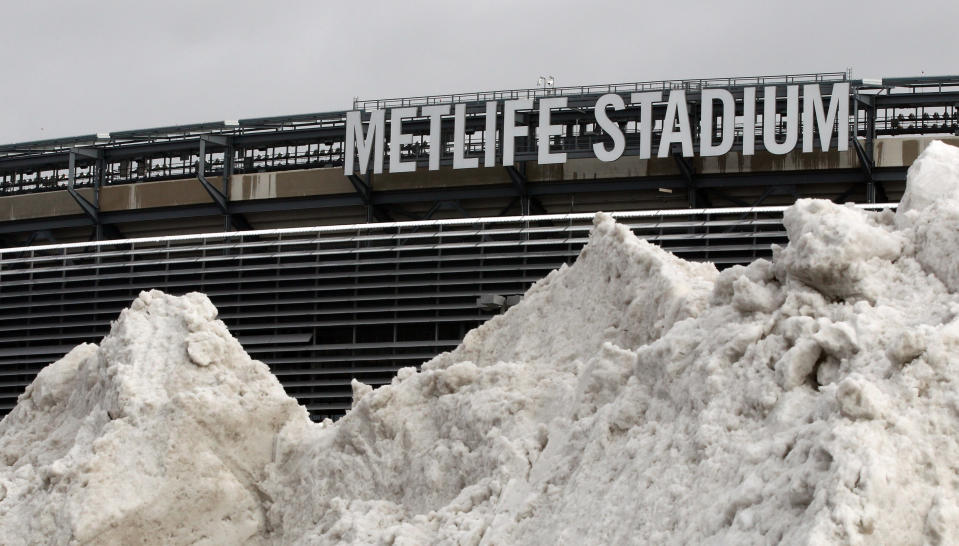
[
  {"x": 630, "y": 398},
  {"x": 160, "y": 434}
]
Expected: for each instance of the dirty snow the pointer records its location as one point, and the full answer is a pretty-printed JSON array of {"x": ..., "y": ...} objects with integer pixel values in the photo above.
[{"x": 631, "y": 398}]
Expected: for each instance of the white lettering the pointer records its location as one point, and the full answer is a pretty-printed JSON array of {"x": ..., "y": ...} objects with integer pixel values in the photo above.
[
  {"x": 717, "y": 127},
  {"x": 398, "y": 140},
  {"x": 460, "y": 161},
  {"x": 510, "y": 130},
  {"x": 791, "y": 121},
  {"x": 357, "y": 145},
  {"x": 612, "y": 128},
  {"x": 435, "y": 113},
  {"x": 489, "y": 141},
  {"x": 645, "y": 102},
  {"x": 749, "y": 121},
  {"x": 676, "y": 112},
  {"x": 812, "y": 111},
  {"x": 706, "y": 146},
  {"x": 547, "y": 130}
]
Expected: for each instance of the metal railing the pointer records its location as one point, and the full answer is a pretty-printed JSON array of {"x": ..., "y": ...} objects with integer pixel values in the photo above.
[{"x": 576, "y": 90}]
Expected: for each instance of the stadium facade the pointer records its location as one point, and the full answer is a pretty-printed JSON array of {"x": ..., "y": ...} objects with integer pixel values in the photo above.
[{"x": 352, "y": 243}]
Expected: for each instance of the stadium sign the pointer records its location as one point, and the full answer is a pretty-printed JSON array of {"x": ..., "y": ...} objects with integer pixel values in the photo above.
[{"x": 366, "y": 138}]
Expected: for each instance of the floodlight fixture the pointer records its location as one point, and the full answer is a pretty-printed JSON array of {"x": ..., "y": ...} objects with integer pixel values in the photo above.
[{"x": 490, "y": 302}]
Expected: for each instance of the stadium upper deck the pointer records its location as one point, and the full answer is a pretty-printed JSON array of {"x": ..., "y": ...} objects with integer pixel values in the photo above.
[{"x": 290, "y": 171}]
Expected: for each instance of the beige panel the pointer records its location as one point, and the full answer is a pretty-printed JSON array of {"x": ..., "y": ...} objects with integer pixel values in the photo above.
[
  {"x": 592, "y": 168},
  {"x": 888, "y": 152},
  {"x": 546, "y": 173},
  {"x": 443, "y": 178},
  {"x": 41, "y": 205},
  {"x": 274, "y": 185},
  {"x": 333, "y": 181},
  {"x": 166, "y": 193},
  {"x": 733, "y": 162},
  {"x": 796, "y": 160},
  {"x": 902, "y": 151}
]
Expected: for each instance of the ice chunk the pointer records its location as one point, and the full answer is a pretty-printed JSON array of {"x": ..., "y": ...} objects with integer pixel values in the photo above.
[
  {"x": 933, "y": 177},
  {"x": 831, "y": 246}
]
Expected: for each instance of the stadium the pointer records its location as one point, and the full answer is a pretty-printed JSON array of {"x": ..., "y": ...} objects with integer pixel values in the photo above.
[{"x": 344, "y": 244}]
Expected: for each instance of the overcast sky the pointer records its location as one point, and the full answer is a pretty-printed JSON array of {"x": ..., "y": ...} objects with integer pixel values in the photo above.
[{"x": 76, "y": 67}]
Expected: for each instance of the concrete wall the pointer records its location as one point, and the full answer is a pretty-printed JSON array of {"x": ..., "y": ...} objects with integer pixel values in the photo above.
[
  {"x": 155, "y": 194},
  {"x": 901, "y": 152},
  {"x": 279, "y": 185},
  {"x": 733, "y": 162},
  {"x": 40, "y": 205}
]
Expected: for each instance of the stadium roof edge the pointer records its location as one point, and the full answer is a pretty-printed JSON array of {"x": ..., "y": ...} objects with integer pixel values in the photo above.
[
  {"x": 265, "y": 122},
  {"x": 276, "y": 122}
]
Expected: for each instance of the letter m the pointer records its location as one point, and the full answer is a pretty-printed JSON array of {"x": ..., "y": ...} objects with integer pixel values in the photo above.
[
  {"x": 813, "y": 112},
  {"x": 359, "y": 145}
]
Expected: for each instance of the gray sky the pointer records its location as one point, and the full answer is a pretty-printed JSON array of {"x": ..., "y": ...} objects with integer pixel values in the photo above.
[{"x": 78, "y": 67}]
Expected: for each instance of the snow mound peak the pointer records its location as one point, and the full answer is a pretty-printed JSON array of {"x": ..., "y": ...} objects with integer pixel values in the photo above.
[
  {"x": 932, "y": 178},
  {"x": 161, "y": 433},
  {"x": 627, "y": 290}
]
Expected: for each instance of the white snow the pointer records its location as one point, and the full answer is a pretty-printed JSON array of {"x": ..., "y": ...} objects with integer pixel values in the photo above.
[
  {"x": 131, "y": 441},
  {"x": 630, "y": 398}
]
